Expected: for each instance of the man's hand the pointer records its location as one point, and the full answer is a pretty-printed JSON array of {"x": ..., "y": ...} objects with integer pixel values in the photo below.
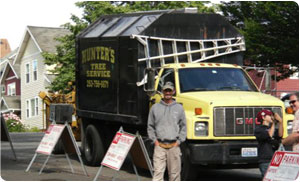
[
  {"x": 277, "y": 117},
  {"x": 176, "y": 144},
  {"x": 291, "y": 139},
  {"x": 156, "y": 143}
]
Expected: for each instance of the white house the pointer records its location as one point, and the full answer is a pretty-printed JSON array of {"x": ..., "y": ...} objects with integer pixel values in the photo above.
[{"x": 33, "y": 71}]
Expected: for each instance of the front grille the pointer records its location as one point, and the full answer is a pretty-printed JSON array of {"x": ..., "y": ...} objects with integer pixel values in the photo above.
[{"x": 237, "y": 121}]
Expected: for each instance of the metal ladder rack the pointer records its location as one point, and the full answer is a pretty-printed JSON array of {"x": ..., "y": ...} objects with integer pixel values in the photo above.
[{"x": 206, "y": 48}]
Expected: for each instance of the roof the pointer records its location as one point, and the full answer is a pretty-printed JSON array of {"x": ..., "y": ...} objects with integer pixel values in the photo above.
[
  {"x": 8, "y": 63},
  {"x": 167, "y": 23},
  {"x": 10, "y": 103},
  {"x": 43, "y": 37},
  {"x": 288, "y": 84},
  {"x": 50, "y": 77}
]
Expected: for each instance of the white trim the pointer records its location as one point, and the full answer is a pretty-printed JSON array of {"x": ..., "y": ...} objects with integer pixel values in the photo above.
[
  {"x": 47, "y": 79},
  {"x": 23, "y": 42},
  {"x": 10, "y": 110},
  {"x": 10, "y": 78},
  {"x": 34, "y": 40},
  {"x": 3, "y": 73},
  {"x": 4, "y": 102},
  {"x": 20, "y": 46},
  {"x": 4, "y": 70},
  {"x": 36, "y": 106},
  {"x": 34, "y": 112},
  {"x": 4, "y": 61},
  {"x": 9, "y": 89},
  {"x": 13, "y": 70}
]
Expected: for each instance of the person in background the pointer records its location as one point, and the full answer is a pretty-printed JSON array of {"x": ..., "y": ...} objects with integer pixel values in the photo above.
[
  {"x": 268, "y": 139},
  {"x": 167, "y": 130},
  {"x": 293, "y": 138}
]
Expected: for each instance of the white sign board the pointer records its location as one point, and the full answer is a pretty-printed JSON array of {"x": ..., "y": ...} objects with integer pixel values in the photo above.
[
  {"x": 118, "y": 150},
  {"x": 283, "y": 167},
  {"x": 50, "y": 139}
]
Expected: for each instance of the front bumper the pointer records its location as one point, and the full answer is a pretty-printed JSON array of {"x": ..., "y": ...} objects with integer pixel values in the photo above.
[{"x": 221, "y": 153}]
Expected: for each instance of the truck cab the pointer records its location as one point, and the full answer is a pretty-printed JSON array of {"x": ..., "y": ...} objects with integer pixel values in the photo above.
[{"x": 220, "y": 102}]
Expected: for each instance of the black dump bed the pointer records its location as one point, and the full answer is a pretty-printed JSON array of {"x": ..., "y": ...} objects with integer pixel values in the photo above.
[{"x": 108, "y": 69}]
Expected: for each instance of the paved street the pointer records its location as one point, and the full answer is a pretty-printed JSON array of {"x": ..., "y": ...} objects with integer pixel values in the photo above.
[{"x": 57, "y": 168}]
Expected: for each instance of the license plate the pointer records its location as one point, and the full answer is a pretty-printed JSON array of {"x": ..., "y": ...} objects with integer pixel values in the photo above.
[{"x": 249, "y": 152}]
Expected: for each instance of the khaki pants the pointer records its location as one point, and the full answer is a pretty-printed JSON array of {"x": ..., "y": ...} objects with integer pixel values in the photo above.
[{"x": 167, "y": 157}]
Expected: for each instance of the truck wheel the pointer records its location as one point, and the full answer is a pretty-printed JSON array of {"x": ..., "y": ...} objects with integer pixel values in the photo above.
[
  {"x": 188, "y": 170},
  {"x": 92, "y": 146}
]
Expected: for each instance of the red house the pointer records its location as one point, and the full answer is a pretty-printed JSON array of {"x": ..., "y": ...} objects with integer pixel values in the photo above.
[
  {"x": 10, "y": 84},
  {"x": 277, "y": 89}
]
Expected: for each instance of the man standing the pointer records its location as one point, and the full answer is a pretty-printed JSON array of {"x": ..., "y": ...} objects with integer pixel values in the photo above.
[
  {"x": 293, "y": 138},
  {"x": 167, "y": 129}
]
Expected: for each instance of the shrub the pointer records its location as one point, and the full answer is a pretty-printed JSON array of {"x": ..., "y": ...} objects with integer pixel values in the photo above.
[
  {"x": 14, "y": 123},
  {"x": 34, "y": 129}
]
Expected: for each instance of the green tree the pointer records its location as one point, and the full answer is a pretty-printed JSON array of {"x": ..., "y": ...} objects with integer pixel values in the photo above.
[
  {"x": 271, "y": 30},
  {"x": 64, "y": 59}
]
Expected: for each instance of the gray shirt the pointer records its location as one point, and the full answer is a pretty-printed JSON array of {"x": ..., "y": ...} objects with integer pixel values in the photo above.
[{"x": 167, "y": 122}]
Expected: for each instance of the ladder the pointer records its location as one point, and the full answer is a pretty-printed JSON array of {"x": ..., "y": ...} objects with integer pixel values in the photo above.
[{"x": 202, "y": 49}]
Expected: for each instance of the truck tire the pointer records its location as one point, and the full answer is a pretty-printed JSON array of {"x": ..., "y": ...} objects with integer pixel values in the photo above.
[
  {"x": 188, "y": 170},
  {"x": 92, "y": 146}
]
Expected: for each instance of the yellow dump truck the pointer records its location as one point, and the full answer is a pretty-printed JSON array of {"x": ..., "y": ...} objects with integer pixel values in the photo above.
[{"x": 122, "y": 62}]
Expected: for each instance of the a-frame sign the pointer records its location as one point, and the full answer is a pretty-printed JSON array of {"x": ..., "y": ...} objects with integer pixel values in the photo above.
[
  {"x": 122, "y": 144},
  {"x": 5, "y": 135},
  {"x": 50, "y": 139}
]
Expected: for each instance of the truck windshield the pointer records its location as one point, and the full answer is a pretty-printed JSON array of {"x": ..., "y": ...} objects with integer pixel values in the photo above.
[{"x": 214, "y": 79}]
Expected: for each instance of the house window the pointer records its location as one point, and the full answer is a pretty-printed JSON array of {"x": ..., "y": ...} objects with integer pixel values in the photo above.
[
  {"x": 27, "y": 73},
  {"x": 27, "y": 109},
  {"x": 11, "y": 89},
  {"x": 34, "y": 68},
  {"x": 36, "y": 106},
  {"x": 32, "y": 107}
]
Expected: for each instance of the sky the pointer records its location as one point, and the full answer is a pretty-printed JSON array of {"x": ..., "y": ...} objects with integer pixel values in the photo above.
[{"x": 17, "y": 14}]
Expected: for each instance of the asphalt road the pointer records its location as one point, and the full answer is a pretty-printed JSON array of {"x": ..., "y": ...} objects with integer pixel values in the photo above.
[{"x": 58, "y": 169}]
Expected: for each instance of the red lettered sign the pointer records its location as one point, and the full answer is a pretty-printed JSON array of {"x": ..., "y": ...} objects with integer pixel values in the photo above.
[
  {"x": 50, "y": 139},
  {"x": 118, "y": 150},
  {"x": 283, "y": 167}
]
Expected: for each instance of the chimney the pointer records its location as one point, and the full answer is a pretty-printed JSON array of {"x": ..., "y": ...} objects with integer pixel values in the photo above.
[{"x": 4, "y": 48}]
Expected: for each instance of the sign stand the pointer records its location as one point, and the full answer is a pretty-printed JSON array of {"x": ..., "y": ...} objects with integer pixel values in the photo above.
[
  {"x": 50, "y": 139},
  {"x": 122, "y": 144},
  {"x": 5, "y": 135},
  {"x": 284, "y": 166}
]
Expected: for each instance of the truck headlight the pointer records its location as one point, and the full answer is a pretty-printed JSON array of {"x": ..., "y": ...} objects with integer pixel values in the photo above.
[{"x": 201, "y": 129}]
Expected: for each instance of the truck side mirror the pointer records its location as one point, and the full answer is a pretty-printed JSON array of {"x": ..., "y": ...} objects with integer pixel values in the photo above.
[{"x": 149, "y": 87}]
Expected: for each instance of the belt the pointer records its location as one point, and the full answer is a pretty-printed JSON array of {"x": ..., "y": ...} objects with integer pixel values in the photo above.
[
  {"x": 166, "y": 141},
  {"x": 167, "y": 144}
]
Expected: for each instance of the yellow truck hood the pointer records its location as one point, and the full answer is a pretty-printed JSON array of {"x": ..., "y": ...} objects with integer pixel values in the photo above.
[{"x": 236, "y": 98}]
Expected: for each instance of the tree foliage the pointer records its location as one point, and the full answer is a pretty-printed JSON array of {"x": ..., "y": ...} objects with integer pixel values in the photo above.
[
  {"x": 271, "y": 30},
  {"x": 64, "y": 59}
]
